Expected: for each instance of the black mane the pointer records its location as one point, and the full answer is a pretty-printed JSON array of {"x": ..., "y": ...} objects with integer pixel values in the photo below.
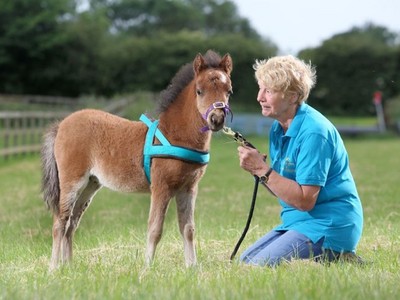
[{"x": 184, "y": 76}]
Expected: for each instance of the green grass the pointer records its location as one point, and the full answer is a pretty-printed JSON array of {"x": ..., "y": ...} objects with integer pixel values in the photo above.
[
  {"x": 354, "y": 121},
  {"x": 110, "y": 242}
]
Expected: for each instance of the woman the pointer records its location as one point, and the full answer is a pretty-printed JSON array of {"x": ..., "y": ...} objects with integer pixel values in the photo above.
[{"x": 308, "y": 171}]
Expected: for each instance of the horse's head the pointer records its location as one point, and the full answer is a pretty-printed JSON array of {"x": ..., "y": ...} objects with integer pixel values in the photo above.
[{"x": 213, "y": 88}]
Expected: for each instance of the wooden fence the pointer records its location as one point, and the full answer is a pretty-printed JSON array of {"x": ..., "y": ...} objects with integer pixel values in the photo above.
[{"x": 21, "y": 132}]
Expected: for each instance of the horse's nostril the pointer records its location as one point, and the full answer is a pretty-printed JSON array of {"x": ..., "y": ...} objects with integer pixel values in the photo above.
[{"x": 217, "y": 119}]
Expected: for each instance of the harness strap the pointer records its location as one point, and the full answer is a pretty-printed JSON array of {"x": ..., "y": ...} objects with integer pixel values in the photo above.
[{"x": 165, "y": 149}]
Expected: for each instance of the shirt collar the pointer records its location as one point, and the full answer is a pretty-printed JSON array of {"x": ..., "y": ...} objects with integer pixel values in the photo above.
[{"x": 298, "y": 119}]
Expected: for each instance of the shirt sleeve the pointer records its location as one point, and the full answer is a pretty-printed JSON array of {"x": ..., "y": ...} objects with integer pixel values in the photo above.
[{"x": 314, "y": 160}]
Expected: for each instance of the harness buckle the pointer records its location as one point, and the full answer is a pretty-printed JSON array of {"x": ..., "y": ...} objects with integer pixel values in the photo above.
[{"x": 219, "y": 104}]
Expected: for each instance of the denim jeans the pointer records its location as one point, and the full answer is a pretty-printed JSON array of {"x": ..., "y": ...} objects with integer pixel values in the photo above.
[{"x": 278, "y": 246}]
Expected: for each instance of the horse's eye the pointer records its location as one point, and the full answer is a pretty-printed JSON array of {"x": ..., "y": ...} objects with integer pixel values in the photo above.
[{"x": 198, "y": 92}]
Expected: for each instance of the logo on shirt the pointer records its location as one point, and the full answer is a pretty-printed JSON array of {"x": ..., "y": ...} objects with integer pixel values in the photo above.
[{"x": 289, "y": 167}]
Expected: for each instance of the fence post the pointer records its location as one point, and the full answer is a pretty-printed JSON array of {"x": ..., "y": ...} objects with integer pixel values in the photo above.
[
  {"x": 379, "y": 111},
  {"x": 7, "y": 127}
]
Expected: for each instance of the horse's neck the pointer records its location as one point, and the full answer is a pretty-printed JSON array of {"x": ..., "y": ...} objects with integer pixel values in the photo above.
[{"x": 181, "y": 123}]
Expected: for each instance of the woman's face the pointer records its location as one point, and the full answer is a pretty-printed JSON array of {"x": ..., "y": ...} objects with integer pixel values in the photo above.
[{"x": 274, "y": 104}]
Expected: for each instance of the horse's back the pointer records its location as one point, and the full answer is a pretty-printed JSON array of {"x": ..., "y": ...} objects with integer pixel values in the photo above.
[
  {"x": 93, "y": 142},
  {"x": 99, "y": 130}
]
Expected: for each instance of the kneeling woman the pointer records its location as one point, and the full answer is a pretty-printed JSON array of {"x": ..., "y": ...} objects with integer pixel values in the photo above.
[{"x": 308, "y": 171}]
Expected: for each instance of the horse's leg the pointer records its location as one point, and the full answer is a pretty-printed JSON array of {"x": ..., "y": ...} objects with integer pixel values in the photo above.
[
  {"x": 158, "y": 208},
  {"x": 58, "y": 233},
  {"x": 62, "y": 247},
  {"x": 185, "y": 201},
  {"x": 80, "y": 207},
  {"x": 60, "y": 221}
]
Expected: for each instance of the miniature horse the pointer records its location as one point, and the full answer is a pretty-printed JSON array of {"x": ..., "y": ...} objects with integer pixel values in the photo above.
[{"x": 90, "y": 149}]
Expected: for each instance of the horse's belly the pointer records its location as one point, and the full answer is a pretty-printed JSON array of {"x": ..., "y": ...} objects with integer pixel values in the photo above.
[
  {"x": 127, "y": 187},
  {"x": 122, "y": 179}
]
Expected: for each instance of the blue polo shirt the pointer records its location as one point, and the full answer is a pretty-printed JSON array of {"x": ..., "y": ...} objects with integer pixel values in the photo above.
[{"x": 312, "y": 153}]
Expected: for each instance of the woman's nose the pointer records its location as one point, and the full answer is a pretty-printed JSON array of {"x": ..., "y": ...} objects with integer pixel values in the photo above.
[{"x": 259, "y": 96}]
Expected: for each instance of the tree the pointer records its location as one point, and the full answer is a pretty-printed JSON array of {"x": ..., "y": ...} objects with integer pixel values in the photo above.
[
  {"x": 78, "y": 64},
  {"x": 351, "y": 66},
  {"x": 139, "y": 63},
  {"x": 46, "y": 47},
  {"x": 30, "y": 31},
  {"x": 150, "y": 17}
]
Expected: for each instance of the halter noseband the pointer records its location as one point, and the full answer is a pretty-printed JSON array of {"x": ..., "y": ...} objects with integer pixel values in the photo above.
[{"x": 216, "y": 105}]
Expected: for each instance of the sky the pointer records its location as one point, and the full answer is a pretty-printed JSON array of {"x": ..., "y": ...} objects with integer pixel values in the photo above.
[{"x": 294, "y": 25}]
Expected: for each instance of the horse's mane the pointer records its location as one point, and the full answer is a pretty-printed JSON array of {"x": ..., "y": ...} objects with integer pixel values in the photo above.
[{"x": 184, "y": 76}]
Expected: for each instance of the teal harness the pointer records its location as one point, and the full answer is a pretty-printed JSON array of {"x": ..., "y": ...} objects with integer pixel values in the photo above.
[{"x": 165, "y": 149}]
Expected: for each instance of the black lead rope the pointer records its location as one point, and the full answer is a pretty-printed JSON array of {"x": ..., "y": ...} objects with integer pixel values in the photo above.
[
  {"x": 253, "y": 203},
  {"x": 242, "y": 141}
]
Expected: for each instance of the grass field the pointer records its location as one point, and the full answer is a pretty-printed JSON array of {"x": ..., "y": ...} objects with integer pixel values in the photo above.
[{"x": 110, "y": 242}]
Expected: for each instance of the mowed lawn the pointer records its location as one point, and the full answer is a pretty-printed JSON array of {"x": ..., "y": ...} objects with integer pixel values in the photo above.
[{"x": 110, "y": 242}]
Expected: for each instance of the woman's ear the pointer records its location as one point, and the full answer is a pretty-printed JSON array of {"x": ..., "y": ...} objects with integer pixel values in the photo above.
[{"x": 294, "y": 98}]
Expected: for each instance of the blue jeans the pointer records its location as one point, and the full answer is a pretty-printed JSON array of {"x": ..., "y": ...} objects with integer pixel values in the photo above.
[{"x": 278, "y": 246}]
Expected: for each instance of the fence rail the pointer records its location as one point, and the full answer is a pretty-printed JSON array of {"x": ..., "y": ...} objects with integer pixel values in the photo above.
[{"x": 21, "y": 131}]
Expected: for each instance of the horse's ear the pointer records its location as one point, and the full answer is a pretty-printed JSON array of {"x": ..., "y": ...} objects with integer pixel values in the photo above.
[
  {"x": 226, "y": 64},
  {"x": 198, "y": 63}
]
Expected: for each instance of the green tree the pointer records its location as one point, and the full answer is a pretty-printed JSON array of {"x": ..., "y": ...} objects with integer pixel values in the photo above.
[
  {"x": 30, "y": 32},
  {"x": 79, "y": 66},
  {"x": 46, "y": 47},
  {"x": 149, "y": 17},
  {"x": 351, "y": 66},
  {"x": 139, "y": 63}
]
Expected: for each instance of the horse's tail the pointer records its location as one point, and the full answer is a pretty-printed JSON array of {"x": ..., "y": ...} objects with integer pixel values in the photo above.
[{"x": 50, "y": 181}]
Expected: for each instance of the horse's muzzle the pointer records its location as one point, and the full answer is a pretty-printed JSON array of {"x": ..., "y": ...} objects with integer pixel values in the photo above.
[
  {"x": 215, "y": 116},
  {"x": 216, "y": 120}
]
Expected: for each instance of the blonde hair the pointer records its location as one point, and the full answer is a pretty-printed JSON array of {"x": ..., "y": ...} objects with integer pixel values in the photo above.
[{"x": 286, "y": 74}]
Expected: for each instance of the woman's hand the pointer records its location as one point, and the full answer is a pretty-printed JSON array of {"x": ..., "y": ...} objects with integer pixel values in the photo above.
[
  {"x": 300, "y": 197},
  {"x": 252, "y": 161}
]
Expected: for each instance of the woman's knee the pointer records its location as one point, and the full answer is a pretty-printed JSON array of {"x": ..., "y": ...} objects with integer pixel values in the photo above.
[
  {"x": 289, "y": 246},
  {"x": 261, "y": 244}
]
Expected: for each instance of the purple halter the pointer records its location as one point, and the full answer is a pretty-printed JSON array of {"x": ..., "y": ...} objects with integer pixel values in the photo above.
[{"x": 216, "y": 105}]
